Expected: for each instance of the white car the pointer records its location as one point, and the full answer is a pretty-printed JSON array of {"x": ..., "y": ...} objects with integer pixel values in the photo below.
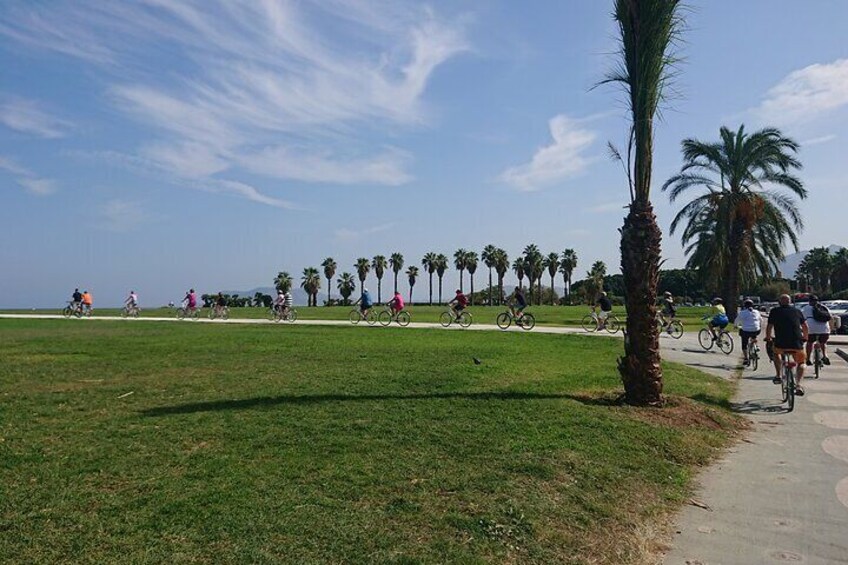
[{"x": 839, "y": 310}]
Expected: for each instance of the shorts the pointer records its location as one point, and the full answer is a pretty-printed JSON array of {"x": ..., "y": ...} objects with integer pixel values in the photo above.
[
  {"x": 604, "y": 314},
  {"x": 719, "y": 321},
  {"x": 748, "y": 335},
  {"x": 459, "y": 307},
  {"x": 821, "y": 338},
  {"x": 520, "y": 307},
  {"x": 364, "y": 307},
  {"x": 799, "y": 355}
]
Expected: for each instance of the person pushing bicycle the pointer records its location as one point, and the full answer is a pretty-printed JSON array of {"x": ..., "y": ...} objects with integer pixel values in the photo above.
[{"x": 790, "y": 333}]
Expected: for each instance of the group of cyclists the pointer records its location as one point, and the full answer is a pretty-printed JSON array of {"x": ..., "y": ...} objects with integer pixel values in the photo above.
[
  {"x": 81, "y": 302},
  {"x": 282, "y": 304}
]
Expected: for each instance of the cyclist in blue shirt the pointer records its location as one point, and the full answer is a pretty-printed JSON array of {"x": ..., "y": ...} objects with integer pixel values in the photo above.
[{"x": 365, "y": 302}]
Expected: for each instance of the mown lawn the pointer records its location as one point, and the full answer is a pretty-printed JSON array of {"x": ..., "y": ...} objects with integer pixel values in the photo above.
[{"x": 164, "y": 442}]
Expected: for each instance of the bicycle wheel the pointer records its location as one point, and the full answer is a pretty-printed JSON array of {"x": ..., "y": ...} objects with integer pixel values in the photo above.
[
  {"x": 817, "y": 362},
  {"x": 225, "y": 315},
  {"x": 371, "y": 318},
  {"x": 403, "y": 318},
  {"x": 589, "y": 323},
  {"x": 528, "y": 321},
  {"x": 385, "y": 318},
  {"x": 67, "y": 311},
  {"x": 676, "y": 329},
  {"x": 272, "y": 315},
  {"x": 181, "y": 313},
  {"x": 465, "y": 319},
  {"x": 784, "y": 388},
  {"x": 612, "y": 325},
  {"x": 292, "y": 316},
  {"x": 124, "y": 312},
  {"x": 790, "y": 388},
  {"x": 725, "y": 342},
  {"x": 355, "y": 317},
  {"x": 705, "y": 338},
  {"x": 503, "y": 320},
  {"x": 754, "y": 356},
  {"x": 445, "y": 319}
]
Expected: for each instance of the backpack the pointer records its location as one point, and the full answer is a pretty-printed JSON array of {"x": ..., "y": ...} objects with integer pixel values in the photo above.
[{"x": 821, "y": 313}]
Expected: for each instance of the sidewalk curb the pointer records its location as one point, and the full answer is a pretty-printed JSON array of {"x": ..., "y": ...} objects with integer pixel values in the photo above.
[{"x": 842, "y": 354}]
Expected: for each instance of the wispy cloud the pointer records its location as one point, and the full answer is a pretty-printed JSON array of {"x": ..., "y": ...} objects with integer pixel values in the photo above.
[
  {"x": 346, "y": 234},
  {"x": 606, "y": 207},
  {"x": 818, "y": 140},
  {"x": 806, "y": 94},
  {"x": 119, "y": 215},
  {"x": 262, "y": 86},
  {"x": 562, "y": 159},
  {"x": 30, "y": 181},
  {"x": 25, "y": 116}
]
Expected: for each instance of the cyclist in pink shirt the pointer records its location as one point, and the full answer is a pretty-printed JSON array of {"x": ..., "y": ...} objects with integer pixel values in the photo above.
[{"x": 396, "y": 303}]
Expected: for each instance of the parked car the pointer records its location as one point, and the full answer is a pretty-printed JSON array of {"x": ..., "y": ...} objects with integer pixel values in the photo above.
[{"x": 839, "y": 309}]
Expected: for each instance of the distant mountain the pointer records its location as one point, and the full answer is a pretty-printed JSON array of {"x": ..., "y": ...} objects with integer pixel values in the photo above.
[{"x": 790, "y": 264}]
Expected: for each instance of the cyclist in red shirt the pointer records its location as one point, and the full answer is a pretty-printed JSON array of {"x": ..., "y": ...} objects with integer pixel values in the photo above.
[{"x": 458, "y": 304}]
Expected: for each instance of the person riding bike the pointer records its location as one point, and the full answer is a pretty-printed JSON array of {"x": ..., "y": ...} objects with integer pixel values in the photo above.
[
  {"x": 132, "y": 301},
  {"x": 718, "y": 317},
  {"x": 818, "y": 321},
  {"x": 220, "y": 303},
  {"x": 87, "y": 301},
  {"x": 77, "y": 300},
  {"x": 396, "y": 303},
  {"x": 668, "y": 311},
  {"x": 190, "y": 301},
  {"x": 606, "y": 309},
  {"x": 750, "y": 324},
  {"x": 279, "y": 302},
  {"x": 517, "y": 303},
  {"x": 365, "y": 303},
  {"x": 458, "y": 304},
  {"x": 790, "y": 333}
]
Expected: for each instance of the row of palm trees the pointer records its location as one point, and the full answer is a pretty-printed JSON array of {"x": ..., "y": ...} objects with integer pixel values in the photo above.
[
  {"x": 531, "y": 264},
  {"x": 822, "y": 271}
]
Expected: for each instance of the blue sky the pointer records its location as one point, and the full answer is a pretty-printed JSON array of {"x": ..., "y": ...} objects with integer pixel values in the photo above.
[{"x": 158, "y": 145}]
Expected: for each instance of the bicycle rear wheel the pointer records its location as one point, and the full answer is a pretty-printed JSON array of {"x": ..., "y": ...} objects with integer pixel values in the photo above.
[
  {"x": 817, "y": 362},
  {"x": 445, "y": 319},
  {"x": 226, "y": 313},
  {"x": 790, "y": 388},
  {"x": 528, "y": 321},
  {"x": 705, "y": 338},
  {"x": 273, "y": 315},
  {"x": 292, "y": 316},
  {"x": 385, "y": 318},
  {"x": 676, "y": 329},
  {"x": 464, "y": 319},
  {"x": 589, "y": 323},
  {"x": 503, "y": 320},
  {"x": 754, "y": 357},
  {"x": 403, "y": 318},
  {"x": 725, "y": 342},
  {"x": 612, "y": 325},
  {"x": 355, "y": 317}
]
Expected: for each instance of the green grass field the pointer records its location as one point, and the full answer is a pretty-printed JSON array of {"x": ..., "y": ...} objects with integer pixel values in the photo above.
[
  {"x": 545, "y": 315},
  {"x": 230, "y": 444}
]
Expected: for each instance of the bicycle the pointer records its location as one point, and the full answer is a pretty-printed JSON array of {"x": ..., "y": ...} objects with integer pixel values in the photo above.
[
  {"x": 505, "y": 319},
  {"x": 356, "y": 316},
  {"x": 184, "y": 312},
  {"x": 817, "y": 359},
  {"x": 449, "y": 317},
  {"x": 707, "y": 338},
  {"x": 222, "y": 312},
  {"x": 72, "y": 309},
  {"x": 388, "y": 315},
  {"x": 129, "y": 311},
  {"x": 279, "y": 315},
  {"x": 787, "y": 381},
  {"x": 593, "y": 323},
  {"x": 753, "y": 353},
  {"x": 672, "y": 327}
]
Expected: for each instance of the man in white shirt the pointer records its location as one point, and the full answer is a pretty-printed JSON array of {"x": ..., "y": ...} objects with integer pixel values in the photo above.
[
  {"x": 819, "y": 328},
  {"x": 750, "y": 324},
  {"x": 279, "y": 301}
]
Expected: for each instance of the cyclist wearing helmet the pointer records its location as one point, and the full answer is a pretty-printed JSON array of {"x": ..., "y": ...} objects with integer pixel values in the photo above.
[
  {"x": 750, "y": 324},
  {"x": 365, "y": 302},
  {"x": 718, "y": 316},
  {"x": 669, "y": 311}
]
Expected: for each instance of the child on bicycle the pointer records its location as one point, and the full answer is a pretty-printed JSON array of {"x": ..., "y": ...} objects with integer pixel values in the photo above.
[
  {"x": 750, "y": 324},
  {"x": 668, "y": 312},
  {"x": 718, "y": 317},
  {"x": 458, "y": 304},
  {"x": 396, "y": 303}
]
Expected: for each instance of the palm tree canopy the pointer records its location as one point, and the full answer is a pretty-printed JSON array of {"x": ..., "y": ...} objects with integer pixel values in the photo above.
[
  {"x": 551, "y": 262},
  {"x": 283, "y": 281},
  {"x": 459, "y": 259},
  {"x": 518, "y": 266},
  {"x": 489, "y": 255},
  {"x": 362, "y": 266},
  {"x": 429, "y": 262},
  {"x": 501, "y": 261},
  {"x": 396, "y": 262},
  {"x": 412, "y": 273},
  {"x": 330, "y": 267},
  {"x": 568, "y": 263},
  {"x": 471, "y": 260},
  {"x": 346, "y": 284},
  {"x": 441, "y": 264},
  {"x": 379, "y": 263}
]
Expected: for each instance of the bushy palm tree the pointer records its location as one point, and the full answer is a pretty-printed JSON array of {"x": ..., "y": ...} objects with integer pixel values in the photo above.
[
  {"x": 648, "y": 29},
  {"x": 459, "y": 258},
  {"x": 429, "y": 264},
  {"x": 567, "y": 265},
  {"x": 816, "y": 268},
  {"x": 411, "y": 276},
  {"x": 396, "y": 263},
  {"x": 501, "y": 268},
  {"x": 518, "y": 268},
  {"x": 594, "y": 283},
  {"x": 362, "y": 266},
  {"x": 346, "y": 285},
  {"x": 840, "y": 269},
  {"x": 471, "y": 260},
  {"x": 552, "y": 264},
  {"x": 283, "y": 281},
  {"x": 441, "y": 267},
  {"x": 533, "y": 267},
  {"x": 379, "y": 263},
  {"x": 739, "y": 226},
  {"x": 488, "y": 258},
  {"x": 330, "y": 266},
  {"x": 311, "y": 283}
]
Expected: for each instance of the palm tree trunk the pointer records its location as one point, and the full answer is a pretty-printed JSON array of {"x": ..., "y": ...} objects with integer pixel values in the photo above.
[
  {"x": 490, "y": 286},
  {"x": 329, "y": 286},
  {"x": 461, "y": 273},
  {"x": 530, "y": 287},
  {"x": 396, "y": 282},
  {"x": 440, "y": 290},
  {"x": 539, "y": 289},
  {"x": 470, "y": 276},
  {"x": 380, "y": 290},
  {"x": 565, "y": 288},
  {"x": 552, "y": 290},
  {"x": 731, "y": 278},
  {"x": 410, "y": 293},
  {"x": 640, "y": 367},
  {"x": 431, "y": 289}
]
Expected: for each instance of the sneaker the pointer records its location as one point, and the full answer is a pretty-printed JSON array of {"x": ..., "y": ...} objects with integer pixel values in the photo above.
[
  {"x": 746, "y": 362},
  {"x": 799, "y": 390},
  {"x": 775, "y": 380},
  {"x": 825, "y": 360},
  {"x": 809, "y": 363}
]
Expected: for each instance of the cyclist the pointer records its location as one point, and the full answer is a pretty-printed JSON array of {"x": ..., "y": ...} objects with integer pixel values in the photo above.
[
  {"x": 396, "y": 303},
  {"x": 190, "y": 301},
  {"x": 517, "y": 303},
  {"x": 132, "y": 301},
  {"x": 287, "y": 302},
  {"x": 365, "y": 302},
  {"x": 458, "y": 304},
  {"x": 77, "y": 300},
  {"x": 220, "y": 303},
  {"x": 87, "y": 301},
  {"x": 280, "y": 302},
  {"x": 668, "y": 312},
  {"x": 718, "y": 316},
  {"x": 818, "y": 321},
  {"x": 790, "y": 333},
  {"x": 750, "y": 324},
  {"x": 606, "y": 308}
]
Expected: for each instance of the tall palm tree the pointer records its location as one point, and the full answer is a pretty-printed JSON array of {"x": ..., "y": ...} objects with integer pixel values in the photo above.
[
  {"x": 330, "y": 266},
  {"x": 311, "y": 283},
  {"x": 283, "y": 281},
  {"x": 488, "y": 258},
  {"x": 459, "y": 258},
  {"x": 532, "y": 266},
  {"x": 552, "y": 264},
  {"x": 429, "y": 263},
  {"x": 840, "y": 269},
  {"x": 518, "y": 268},
  {"x": 346, "y": 285},
  {"x": 441, "y": 267},
  {"x": 396, "y": 262},
  {"x": 471, "y": 260},
  {"x": 566, "y": 266},
  {"x": 411, "y": 275},
  {"x": 740, "y": 221},
  {"x": 362, "y": 266},
  {"x": 816, "y": 269},
  {"x": 379, "y": 263},
  {"x": 648, "y": 29},
  {"x": 501, "y": 268}
]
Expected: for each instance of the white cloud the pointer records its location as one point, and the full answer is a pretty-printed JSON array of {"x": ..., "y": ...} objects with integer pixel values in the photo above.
[
  {"x": 806, "y": 94},
  {"x": 605, "y": 207},
  {"x": 121, "y": 215},
  {"x": 25, "y": 116},
  {"x": 347, "y": 234},
  {"x": 818, "y": 140},
  {"x": 31, "y": 182},
  {"x": 562, "y": 159}
]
